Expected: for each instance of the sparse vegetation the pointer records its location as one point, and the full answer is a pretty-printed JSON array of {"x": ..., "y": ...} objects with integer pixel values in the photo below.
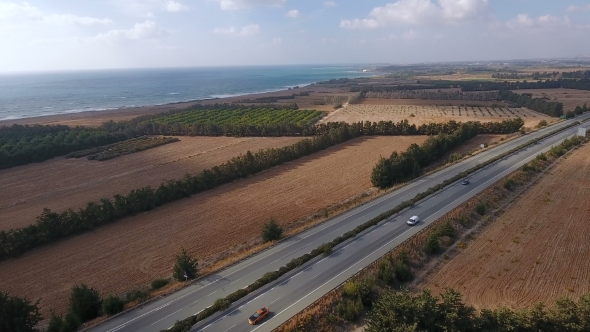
[{"x": 129, "y": 146}]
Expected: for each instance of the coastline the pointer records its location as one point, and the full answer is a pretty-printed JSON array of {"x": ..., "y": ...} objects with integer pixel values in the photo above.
[{"x": 96, "y": 118}]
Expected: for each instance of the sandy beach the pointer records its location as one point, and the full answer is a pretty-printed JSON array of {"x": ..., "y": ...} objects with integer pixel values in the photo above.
[{"x": 96, "y": 118}]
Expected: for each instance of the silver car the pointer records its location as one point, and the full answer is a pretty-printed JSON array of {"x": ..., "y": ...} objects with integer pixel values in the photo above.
[{"x": 413, "y": 221}]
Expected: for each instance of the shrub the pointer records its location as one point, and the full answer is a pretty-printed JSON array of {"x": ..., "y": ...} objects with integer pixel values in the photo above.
[
  {"x": 509, "y": 184},
  {"x": 337, "y": 106},
  {"x": 454, "y": 157},
  {"x": 541, "y": 156},
  {"x": 221, "y": 304},
  {"x": 386, "y": 272},
  {"x": 112, "y": 305},
  {"x": 18, "y": 314},
  {"x": 542, "y": 123},
  {"x": 85, "y": 302},
  {"x": 447, "y": 230},
  {"x": 185, "y": 267},
  {"x": 480, "y": 208},
  {"x": 432, "y": 245},
  {"x": 402, "y": 271},
  {"x": 272, "y": 231},
  {"x": 55, "y": 323},
  {"x": 159, "y": 283},
  {"x": 136, "y": 295},
  {"x": 350, "y": 310}
]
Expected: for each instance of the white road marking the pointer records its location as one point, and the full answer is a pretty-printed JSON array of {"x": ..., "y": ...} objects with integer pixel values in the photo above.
[
  {"x": 166, "y": 317},
  {"x": 230, "y": 328}
]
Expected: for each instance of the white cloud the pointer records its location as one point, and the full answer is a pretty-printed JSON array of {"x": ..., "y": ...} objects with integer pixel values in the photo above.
[
  {"x": 174, "y": 6},
  {"x": 277, "y": 41},
  {"x": 241, "y": 4},
  {"x": 26, "y": 11},
  {"x": 578, "y": 8},
  {"x": 147, "y": 30},
  {"x": 410, "y": 35},
  {"x": 329, "y": 3},
  {"x": 73, "y": 19},
  {"x": 525, "y": 21},
  {"x": 247, "y": 30},
  {"x": 294, "y": 13},
  {"x": 365, "y": 23},
  {"x": 421, "y": 12},
  {"x": 146, "y": 8}
]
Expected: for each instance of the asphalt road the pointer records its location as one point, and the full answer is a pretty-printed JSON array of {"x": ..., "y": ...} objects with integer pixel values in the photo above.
[{"x": 295, "y": 291}]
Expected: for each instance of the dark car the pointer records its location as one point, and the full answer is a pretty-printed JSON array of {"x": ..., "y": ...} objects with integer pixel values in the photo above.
[
  {"x": 465, "y": 182},
  {"x": 258, "y": 316}
]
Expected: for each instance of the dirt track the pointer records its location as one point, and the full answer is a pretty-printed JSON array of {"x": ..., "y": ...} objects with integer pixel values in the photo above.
[
  {"x": 537, "y": 251},
  {"x": 62, "y": 183},
  {"x": 131, "y": 253}
]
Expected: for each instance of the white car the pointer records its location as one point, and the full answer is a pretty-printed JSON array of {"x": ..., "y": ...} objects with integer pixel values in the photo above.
[{"x": 413, "y": 221}]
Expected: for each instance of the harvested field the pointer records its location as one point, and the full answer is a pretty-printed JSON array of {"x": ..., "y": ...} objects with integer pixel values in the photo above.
[
  {"x": 129, "y": 254},
  {"x": 536, "y": 251},
  {"x": 432, "y": 113},
  {"x": 569, "y": 97},
  {"x": 63, "y": 183}
]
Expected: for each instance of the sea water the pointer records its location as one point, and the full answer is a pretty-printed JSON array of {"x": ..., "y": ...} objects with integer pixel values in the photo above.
[{"x": 39, "y": 94}]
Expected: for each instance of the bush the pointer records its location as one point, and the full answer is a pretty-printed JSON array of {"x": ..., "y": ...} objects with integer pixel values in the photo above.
[
  {"x": 159, "y": 283},
  {"x": 137, "y": 295},
  {"x": 509, "y": 184},
  {"x": 386, "y": 272},
  {"x": 350, "y": 310},
  {"x": 18, "y": 314},
  {"x": 112, "y": 305},
  {"x": 402, "y": 271},
  {"x": 454, "y": 157},
  {"x": 337, "y": 106},
  {"x": 272, "y": 231},
  {"x": 185, "y": 267},
  {"x": 541, "y": 156},
  {"x": 542, "y": 123},
  {"x": 221, "y": 304},
  {"x": 447, "y": 230},
  {"x": 432, "y": 245},
  {"x": 480, "y": 208},
  {"x": 85, "y": 303}
]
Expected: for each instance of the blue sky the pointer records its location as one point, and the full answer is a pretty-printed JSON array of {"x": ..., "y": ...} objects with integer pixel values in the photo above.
[{"x": 99, "y": 34}]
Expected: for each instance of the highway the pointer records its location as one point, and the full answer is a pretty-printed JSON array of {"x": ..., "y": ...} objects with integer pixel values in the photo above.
[{"x": 294, "y": 291}]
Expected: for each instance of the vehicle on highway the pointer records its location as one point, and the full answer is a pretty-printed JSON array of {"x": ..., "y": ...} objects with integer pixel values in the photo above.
[
  {"x": 465, "y": 182},
  {"x": 413, "y": 221},
  {"x": 258, "y": 316}
]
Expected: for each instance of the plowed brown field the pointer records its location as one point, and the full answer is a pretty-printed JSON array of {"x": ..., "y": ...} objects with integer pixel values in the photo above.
[
  {"x": 131, "y": 253},
  {"x": 537, "y": 251},
  {"x": 62, "y": 183},
  {"x": 426, "y": 111}
]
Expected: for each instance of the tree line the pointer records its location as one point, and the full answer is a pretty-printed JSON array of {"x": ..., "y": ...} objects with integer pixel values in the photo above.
[
  {"x": 551, "y": 108},
  {"x": 578, "y": 84},
  {"x": 404, "y": 311},
  {"x": 405, "y": 165},
  {"x": 433, "y": 95},
  {"x": 51, "y": 226},
  {"x": 20, "y": 145}
]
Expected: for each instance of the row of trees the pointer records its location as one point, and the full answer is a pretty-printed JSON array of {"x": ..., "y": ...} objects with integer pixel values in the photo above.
[
  {"x": 433, "y": 95},
  {"x": 401, "y": 166},
  {"x": 403, "y": 311},
  {"x": 581, "y": 84},
  {"x": 551, "y": 108},
  {"x": 20, "y": 145},
  {"x": 51, "y": 226}
]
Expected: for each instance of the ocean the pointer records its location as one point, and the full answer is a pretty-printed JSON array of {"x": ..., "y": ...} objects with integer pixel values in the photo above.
[{"x": 39, "y": 94}]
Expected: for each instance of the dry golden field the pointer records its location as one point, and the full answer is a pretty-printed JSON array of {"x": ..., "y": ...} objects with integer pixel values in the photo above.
[
  {"x": 420, "y": 113},
  {"x": 536, "y": 251},
  {"x": 131, "y": 253},
  {"x": 62, "y": 183}
]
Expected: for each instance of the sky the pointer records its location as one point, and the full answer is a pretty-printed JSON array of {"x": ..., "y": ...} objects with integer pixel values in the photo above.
[{"x": 48, "y": 35}]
